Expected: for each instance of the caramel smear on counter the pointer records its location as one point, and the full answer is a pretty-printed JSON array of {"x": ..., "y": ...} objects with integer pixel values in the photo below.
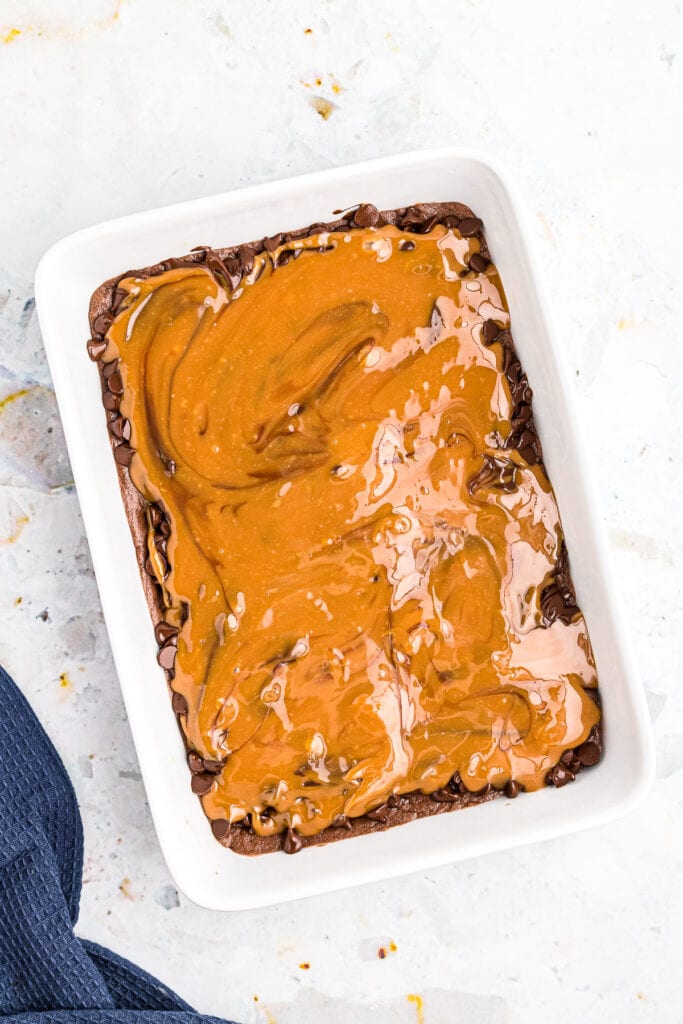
[{"x": 356, "y": 558}]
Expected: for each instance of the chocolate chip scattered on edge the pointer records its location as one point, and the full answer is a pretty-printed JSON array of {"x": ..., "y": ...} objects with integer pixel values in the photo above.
[
  {"x": 379, "y": 813},
  {"x": 166, "y": 656},
  {"x": 201, "y": 783},
  {"x": 96, "y": 349},
  {"x": 123, "y": 453},
  {"x": 163, "y": 631},
  {"x": 559, "y": 776},
  {"x": 120, "y": 428},
  {"x": 117, "y": 298},
  {"x": 491, "y": 330},
  {"x": 477, "y": 263},
  {"x": 179, "y": 704},
  {"x": 292, "y": 842},
  {"x": 512, "y": 789},
  {"x": 195, "y": 762},
  {"x": 115, "y": 383},
  {"x": 221, "y": 828},
  {"x": 366, "y": 216},
  {"x": 588, "y": 754},
  {"x": 103, "y": 322},
  {"x": 111, "y": 401},
  {"x": 469, "y": 226}
]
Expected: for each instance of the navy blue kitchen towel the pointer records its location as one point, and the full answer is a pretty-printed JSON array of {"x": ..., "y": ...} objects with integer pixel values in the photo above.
[{"x": 47, "y": 974}]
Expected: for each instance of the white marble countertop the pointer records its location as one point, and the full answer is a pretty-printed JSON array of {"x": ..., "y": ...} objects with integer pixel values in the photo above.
[{"x": 113, "y": 107}]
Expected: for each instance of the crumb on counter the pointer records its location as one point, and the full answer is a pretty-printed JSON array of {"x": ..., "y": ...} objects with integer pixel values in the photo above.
[
  {"x": 324, "y": 107},
  {"x": 124, "y": 889},
  {"x": 418, "y": 1003}
]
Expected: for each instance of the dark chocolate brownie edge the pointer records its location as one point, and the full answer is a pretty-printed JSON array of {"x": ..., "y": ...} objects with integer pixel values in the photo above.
[{"x": 557, "y": 600}]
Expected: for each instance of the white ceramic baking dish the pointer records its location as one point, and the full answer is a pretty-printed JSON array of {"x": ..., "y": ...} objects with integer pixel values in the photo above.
[{"x": 207, "y": 873}]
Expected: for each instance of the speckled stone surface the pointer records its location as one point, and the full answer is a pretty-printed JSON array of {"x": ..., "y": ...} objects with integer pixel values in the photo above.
[{"x": 583, "y": 102}]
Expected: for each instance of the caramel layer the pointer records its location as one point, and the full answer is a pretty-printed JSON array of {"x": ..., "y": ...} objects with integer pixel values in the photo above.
[{"x": 357, "y": 552}]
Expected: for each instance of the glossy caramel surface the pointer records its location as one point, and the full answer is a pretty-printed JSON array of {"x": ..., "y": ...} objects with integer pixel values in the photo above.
[{"x": 363, "y": 595}]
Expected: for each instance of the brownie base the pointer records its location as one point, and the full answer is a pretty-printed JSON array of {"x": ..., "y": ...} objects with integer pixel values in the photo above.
[{"x": 557, "y": 600}]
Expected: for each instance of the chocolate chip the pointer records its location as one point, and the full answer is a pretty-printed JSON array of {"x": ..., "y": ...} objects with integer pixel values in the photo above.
[
  {"x": 195, "y": 762},
  {"x": 166, "y": 656},
  {"x": 201, "y": 783},
  {"x": 490, "y": 330},
  {"x": 413, "y": 216},
  {"x": 379, "y": 813},
  {"x": 477, "y": 263},
  {"x": 115, "y": 383},
  {"x": 559, "y": 776},
  {"x": 164, "y": 631},
  {"x": 246, "y": 257},
  {"x": 426, "y": 225},
  {"x": 292, "y": 842},
  {"x": 155, "y": 514},
  {"x": 164, "y": 528},
  {"x": 120, "y": 428},
  {"x": 123, "y": 453},
  {"x": 553, "y": 605},
  {"x": 221, "y": 829},
  {"x": 119, "y": 295},
  {"x": 366, "y": 216},
  {"x": 522, "y": 412},
  {"x": 567, "y": 757},
  {"x": 270, "y": 244},
  {"x": 214, "y": 767},
  {"x": 406, "y": 245},
  {"x": 341, "y": 821},
  {"x": 469, "y": 226},
  {"x": 512, "y": 789},
  {"x": 110, "y": 401},
  {"x": 103, "y": 322},
  {"x": 96, "y": 349},
  {"x": 179, "y": 704},
  {"x": 527, "y": 446},
  {"x": 588, "y": 753}
]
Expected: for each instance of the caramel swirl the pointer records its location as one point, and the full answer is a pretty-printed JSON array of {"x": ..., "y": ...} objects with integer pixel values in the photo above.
[{"x": 357, "y": 553}]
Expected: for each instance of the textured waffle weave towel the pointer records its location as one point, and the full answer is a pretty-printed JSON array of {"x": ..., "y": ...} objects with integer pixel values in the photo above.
[{"x": 47, "y": 974}]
